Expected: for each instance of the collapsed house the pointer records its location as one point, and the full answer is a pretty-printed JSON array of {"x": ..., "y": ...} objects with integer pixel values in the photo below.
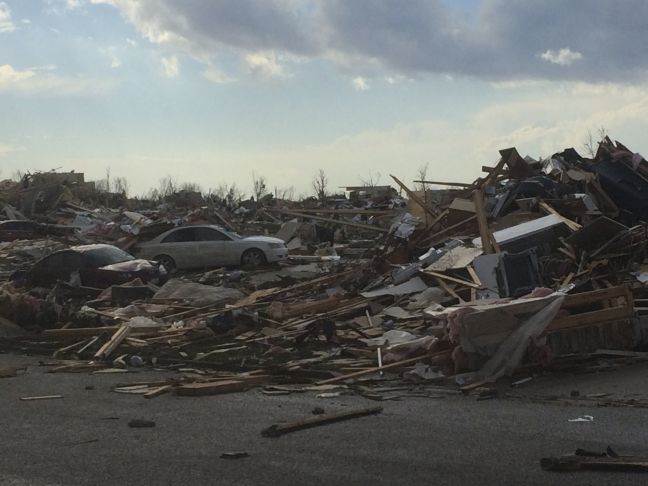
[{"x": 537, "y": 264}]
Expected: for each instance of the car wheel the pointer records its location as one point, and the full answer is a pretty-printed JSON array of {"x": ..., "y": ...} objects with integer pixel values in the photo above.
[
  {"x": 167, "y": 262},
  {"x": 253, "y": 257}
]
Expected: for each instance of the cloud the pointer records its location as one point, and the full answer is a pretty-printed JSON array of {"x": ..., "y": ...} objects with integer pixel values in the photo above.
[
  {"x": 6, "y": 25},
  {"x": 360, "y": 84},
  {"x": 111, "y": 54},
  {"x": 264, "y": 65},
  {"x": 216, "y": 76},
  {"x": 563, "y": 57},
  {"x": 39, "y": 81},
  {"x": 496, "y": 40},
  {"x": 5, "y": 150},
  {"x": 171, "y": 66}
]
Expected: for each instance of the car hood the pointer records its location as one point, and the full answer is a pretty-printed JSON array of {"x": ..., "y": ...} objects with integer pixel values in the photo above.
[{"x": 264, "y": 239}]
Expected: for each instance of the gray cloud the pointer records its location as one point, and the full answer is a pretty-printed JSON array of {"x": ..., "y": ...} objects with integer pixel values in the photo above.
[{"x": 499, "y": 40}]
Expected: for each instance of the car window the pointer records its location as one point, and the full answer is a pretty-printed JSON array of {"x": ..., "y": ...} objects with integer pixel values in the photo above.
[
  {"x": 65, "y": 259},
  {"x": 181, "y": 235},
  {"x": 210, "y": 234},
  {"x": 100, "y": 257}
]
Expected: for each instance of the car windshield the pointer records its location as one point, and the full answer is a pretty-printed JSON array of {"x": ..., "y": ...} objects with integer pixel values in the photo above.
[{"x": 100, "y": 257}]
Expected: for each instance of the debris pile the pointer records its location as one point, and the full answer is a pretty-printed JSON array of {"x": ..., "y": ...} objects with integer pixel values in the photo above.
[{"x": 538, "y": 264}]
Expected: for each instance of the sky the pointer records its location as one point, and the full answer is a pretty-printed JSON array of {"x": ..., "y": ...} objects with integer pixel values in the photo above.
[{"x": 212, "y": 91}]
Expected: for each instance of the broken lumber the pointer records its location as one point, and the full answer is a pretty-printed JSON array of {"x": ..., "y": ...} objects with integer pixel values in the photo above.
[
  {"x": 415, "y": 198},
  {"x": 330, "y": 220},
  {"x": 369, "y": 371},
  {"x": 278, "y": 430},
  {"x": 210, "y": 388},
  {"x": 114, "y": 342}
]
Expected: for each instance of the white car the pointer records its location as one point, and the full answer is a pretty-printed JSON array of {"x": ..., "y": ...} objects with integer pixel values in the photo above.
[{"x": 205, "y": 246}]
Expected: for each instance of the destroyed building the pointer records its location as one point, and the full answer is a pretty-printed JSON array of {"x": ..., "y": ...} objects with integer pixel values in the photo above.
[{"x": 537, "y": 264}]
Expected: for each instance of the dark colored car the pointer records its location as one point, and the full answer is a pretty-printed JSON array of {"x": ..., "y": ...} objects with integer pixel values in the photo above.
[
  {"x": 21, "y": 230},
  {"x": 98, "y": 266}
]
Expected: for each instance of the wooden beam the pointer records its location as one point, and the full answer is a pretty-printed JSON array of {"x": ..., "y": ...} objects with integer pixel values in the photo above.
[
  {"x": 589, "y": 318},
  {"x": 450, "y": 228},
  {"x": 415, "y": 198},
  {"x": 330, "y": 220},
  {"x": 113, "y": 343},
  {"x": 482, "y": 221},
  {"x": 572, "y": 225},
  {"x": 277, "y": 430},
  {"x": 430, "y": 226},
  {"x": 451, "y": 184},
  {"x": 460, "y": 281},
  {"x": 450, "y": 291},
  {"x": 368, "y": 212},
  {"x": 369, "y": 371}
]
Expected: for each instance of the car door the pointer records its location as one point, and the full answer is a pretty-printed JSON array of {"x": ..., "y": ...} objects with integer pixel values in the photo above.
[
  {"x": 182, "y": 246},
  {"x": 216, "y": 248}
]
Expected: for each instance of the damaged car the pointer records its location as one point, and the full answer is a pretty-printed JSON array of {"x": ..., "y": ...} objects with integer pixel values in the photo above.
[
  {"x": 204, "y": 246},
  {"x": 98, "y": 266}
]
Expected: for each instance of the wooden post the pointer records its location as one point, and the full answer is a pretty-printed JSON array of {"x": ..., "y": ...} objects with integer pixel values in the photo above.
[{"x": 484, "y": 232}]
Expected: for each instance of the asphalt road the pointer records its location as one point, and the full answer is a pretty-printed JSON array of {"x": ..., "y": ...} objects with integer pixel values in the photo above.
[{"x": 84, "y": 439}]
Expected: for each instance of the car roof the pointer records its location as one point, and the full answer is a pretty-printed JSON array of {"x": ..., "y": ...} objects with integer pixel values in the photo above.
[{"x": 161, "y": 236}]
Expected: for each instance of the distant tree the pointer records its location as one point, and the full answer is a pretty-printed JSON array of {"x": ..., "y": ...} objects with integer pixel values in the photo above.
[
  {"x": 285, "y": 193},
  {"x": 371, "y": 180},
  {"x": 320, "y": 183},
  {"x": 167, "y": 187},
  {"x": 122, "y": 186},
  {"x": 259, "y": 188},
  {"x": 590, "y": 145},
  {"x": 422, "y": 176},
  {"x": 190, "y": 187}
]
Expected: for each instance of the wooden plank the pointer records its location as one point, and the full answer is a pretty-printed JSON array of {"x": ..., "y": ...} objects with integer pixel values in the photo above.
[
  {"x": 459, "y": 281},
  {"x": 474, "y": 275},
  {"x": 594, "y": 296},
  {"x": 330, "y": 220},
  {"x": 160, "y": 390},
  {"x": 368, "y": 212},
  {"x": 82, "y": 332},
  {"x": 278, "y": 430},
  {"x": 369, "y": 371},
  {"x": 429, "y": 228},
  {"x": 572, "y": 225},
  {"x": 113, "y": 343},
  {"x": 482, "y": 222},
  {"x": 210, "y": 388},
  {"x": 415, "y": 198},
  {"x": 588, "y": 318},
  {"x": 451, "y": 184},
  {"x": 449, "y": 228},
  {"x": 450, "y": 291},
  {"x": 42, "y": 397}
]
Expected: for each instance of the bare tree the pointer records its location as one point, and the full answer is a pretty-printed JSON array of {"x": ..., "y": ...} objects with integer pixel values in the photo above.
[
  {"x": 590, "y": 145},
  {"x": 320, "y": 183},
  {"x": 422, "y": 176},
  {"x": 190, "y": 187},
  {"x": 258, "y": 186},
  {"x": 167, "y": 187},
  {"x": 122, "y": 186},
  {"x": 285, "y": 193},
  {"x": 371, "y": 180},
  {"x": 234, "y": 196}
]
